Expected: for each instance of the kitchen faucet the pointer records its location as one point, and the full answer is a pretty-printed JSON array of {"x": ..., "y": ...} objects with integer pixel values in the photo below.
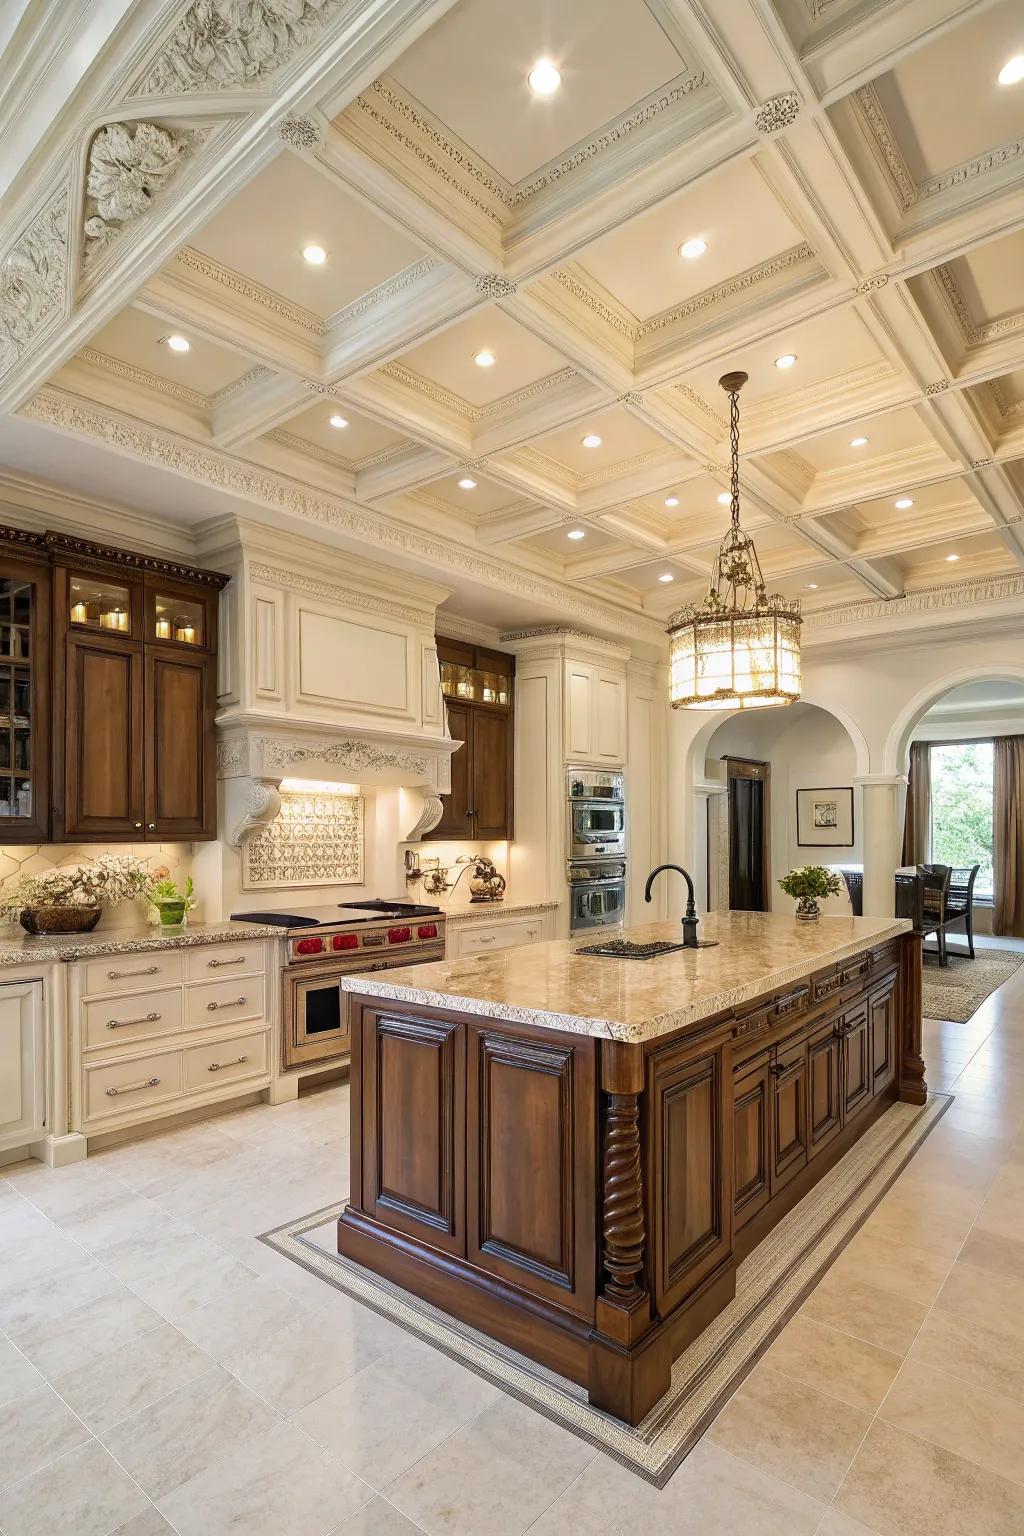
[{"x": 690, "y": 919}]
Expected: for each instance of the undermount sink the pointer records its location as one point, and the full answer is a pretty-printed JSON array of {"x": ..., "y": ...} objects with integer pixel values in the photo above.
[{"x": 625, "y": 949}]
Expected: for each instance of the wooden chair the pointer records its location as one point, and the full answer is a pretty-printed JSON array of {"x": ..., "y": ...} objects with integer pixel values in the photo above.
[
  {"x": 948, "y": 899},
  {"x": 960, "y": 902}
]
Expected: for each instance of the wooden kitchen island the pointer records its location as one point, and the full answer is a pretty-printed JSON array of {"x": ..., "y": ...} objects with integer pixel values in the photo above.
[{"x": 572, "y": 1153}]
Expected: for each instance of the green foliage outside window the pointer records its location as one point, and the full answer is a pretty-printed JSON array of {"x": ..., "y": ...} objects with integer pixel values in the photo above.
[{"x": 962, "y": 808}]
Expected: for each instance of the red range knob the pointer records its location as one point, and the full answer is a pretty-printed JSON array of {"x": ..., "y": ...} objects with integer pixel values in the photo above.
[
  {"x": 345, "y": 941},
  {"x": 309, "y": 947},
  {"x": 427, "y": 931},
  {"x": 399, "y": 935}
]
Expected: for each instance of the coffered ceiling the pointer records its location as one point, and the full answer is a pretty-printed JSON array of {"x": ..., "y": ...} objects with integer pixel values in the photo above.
[{"x": 503, "y": 371}]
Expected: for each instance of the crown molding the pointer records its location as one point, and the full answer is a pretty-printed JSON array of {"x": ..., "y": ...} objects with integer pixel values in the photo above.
[
  {"x": 463, "y": 408},
  {"x": 229, "y": 391},
  {"x": 33, "y": 279},
  {"x": 971, "y": 334},
  {"x": 967, "y": 594},
  {"x": 142, "y": 377},
  {"x": 798, "y": 256},
  {"x": 198, "y": 265}
]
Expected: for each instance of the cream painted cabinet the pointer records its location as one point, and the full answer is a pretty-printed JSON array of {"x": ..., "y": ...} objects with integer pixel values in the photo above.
[
  {"x": 595, "y": 713},
  {"x": 22, "y": 1063},
  {"x": 482, "y": 935}
]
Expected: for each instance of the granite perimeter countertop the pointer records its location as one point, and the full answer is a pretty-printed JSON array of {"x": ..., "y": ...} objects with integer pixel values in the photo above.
[
  {"x": 497, "y": 909},
  {"x": 27, "y": 949},
  {"x": 551, "y": 985}
]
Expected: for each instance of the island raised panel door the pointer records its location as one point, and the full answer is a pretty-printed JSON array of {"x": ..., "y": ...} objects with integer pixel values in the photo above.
[
  {"x": 789, "y": 1114},
  {"x": 751, "y": 1142},
  {"x": 180, "y": 776},
  {"x": 103, "y": 742},
  {"x": 823, "y": 1091},
  {"x": 690, "y": 1164},
  {"x": 882, "y": 1015},
  {"x": 856, "y": 1060},
  {"x": 413, "y": 1126},
  {"x": 492, "y": 775},
  {"x": 531, "y": 1173},
  {"x": 457, "y": 807}
]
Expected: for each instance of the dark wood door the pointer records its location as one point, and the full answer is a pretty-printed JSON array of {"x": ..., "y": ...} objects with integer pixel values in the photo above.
[
  {"x": 456, "y": 816},
  {"x": 751, "y": 1141},
  {"x": 531, "y": 1177},
  {"x": 882, "y": 1015},
  {"x": 103, "y": 778},
  {"x": 789, "y": 1114},
  {"x": 823, "y": 1092},
  {"x": 180, "y": 775},
  {"x": 748, "y": 835},
  {"x": 413, "y": 1129},
  {"x": 856, "y": 1060},
  {"x": 24, "y": 702},
  {"x": 492, "y": 775},
  {"x": 690, "y": 1155}
]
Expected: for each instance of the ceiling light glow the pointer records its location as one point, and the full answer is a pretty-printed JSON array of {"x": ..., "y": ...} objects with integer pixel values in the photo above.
[
  {"x": 467, "y": 484},
  {"x": 951, "y": 558},
  {"x": 902, "y": 503},
  {"x": 484, "y": 359},
  {"x": 666, "y": 576},
  {"x": 544, "y": 78},
  {"x": 857, "y": 442},
  {"x": 671, "y": 501},
  {"x": 786, "y": 360},
  {"x": 576, "y": 533},
  {"x": 810, "y": 586},
  {"x": 178, "y": 343},
  {"x": 1012, "y": 72},
  {"x": 314, "y": 254},
  {"x": 337, "y": 422},
  {"x": 592, "y": 440},
  {"x": 691, "y": 249},
  {"x": 724, "y": 498}
]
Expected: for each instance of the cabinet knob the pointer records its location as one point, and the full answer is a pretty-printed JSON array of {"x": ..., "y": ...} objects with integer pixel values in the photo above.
[
  {"x": 151, "y": 826},
  {"x": 469, "y": 813},
  {"x": 138, "y": 826}
]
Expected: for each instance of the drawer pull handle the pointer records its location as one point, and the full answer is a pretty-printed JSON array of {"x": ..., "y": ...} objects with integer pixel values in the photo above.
[
  {"x": 485, "y": 938},
  {"x": 235, "y": 1002},
  {"x": 215, "y": 1066},
  {"x": 238, "y": 960},
  {"x": 149, "y": 970},
  {"x": 147, "y": 1018},
  {"x": 149, "y": 1082}
]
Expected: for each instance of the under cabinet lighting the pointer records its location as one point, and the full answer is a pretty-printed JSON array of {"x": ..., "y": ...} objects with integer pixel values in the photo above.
[
  {"x": 1012, "y": 72},
  {"x": 902, "y": 503},
  {"x": 315, "y": 255},
  {"x": 671, "y": 501},
  {"x": 544, "y": 78},
  {"x": 786, "y": 360},
  {"x": 576, "y": 533},
  {"x": 467, "y": 484},
  {"x": 592, "y": 440},
  {"x": 691, "y": 249},
  {"x": 317, "y": 787},
  {"x": 484, "y": 359},
  {"x": 178, "y": 343},
  {"x": 337, "y": 422}
]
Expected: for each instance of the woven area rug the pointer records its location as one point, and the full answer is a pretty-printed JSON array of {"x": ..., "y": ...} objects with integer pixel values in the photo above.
[
  {"x": 771, "y": 1283},
  {"x": 957, "y": 991}
]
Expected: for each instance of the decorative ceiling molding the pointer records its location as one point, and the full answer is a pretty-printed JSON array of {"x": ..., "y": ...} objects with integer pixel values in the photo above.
[
  {"x": 614, "y": 315},
  {"x": 969, "y": 170},
  {"x": 301, "y": 131},
  {"x": 382, "y": 456},
  {"x": 221, "y": 45},
  {"x": 972, "y": 334},
  {"x": 491, "y": 285},
  {"x": 459, "y": 407},
  {"x": 574, "y": 479},
  {"x": 1004, "y": 405},
  {"x": 798, "y": 256},
  {"x": 383, "y": 293},
  {"x": 142, "y": 376},
  {"x": 777, "y": 112},
  {"x": 296, "y": 581},
  {"x": 700, "y": 404},
  {"x": 901, "y": 181},
  {"x": 128, "y": 168},
  {"x": 311, "y": 450},
  {"x": 245, "y": 288},
  {"x": 236, "y": 386},
  {"x": 854, "y": 379},
  {"x": 957, "y": 594},
  {"x": 33, "y": 279}
]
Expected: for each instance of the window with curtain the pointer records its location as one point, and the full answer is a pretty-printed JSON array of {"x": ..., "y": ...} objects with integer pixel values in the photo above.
[{"x": 962, "y": 807}]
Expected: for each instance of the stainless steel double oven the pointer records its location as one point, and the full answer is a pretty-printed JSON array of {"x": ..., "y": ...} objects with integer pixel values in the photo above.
[{"x": 597, "y": 849}]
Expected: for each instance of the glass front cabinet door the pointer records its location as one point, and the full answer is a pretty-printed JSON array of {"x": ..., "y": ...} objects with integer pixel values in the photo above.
[{"x": 24, "y": 700}]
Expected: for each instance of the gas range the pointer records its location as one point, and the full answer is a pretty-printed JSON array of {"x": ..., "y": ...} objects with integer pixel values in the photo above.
[{"x": 378, "y": 926}]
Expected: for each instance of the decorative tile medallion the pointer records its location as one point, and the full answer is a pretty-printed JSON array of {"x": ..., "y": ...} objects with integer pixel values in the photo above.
[{"x": 316, "y": 840}]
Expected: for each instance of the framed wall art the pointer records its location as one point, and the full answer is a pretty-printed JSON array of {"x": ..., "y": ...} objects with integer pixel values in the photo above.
[{"x": 824, "y": 818}]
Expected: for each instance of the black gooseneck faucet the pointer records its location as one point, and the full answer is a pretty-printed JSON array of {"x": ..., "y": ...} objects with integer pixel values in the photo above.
[{"x": 690, "y": 919}]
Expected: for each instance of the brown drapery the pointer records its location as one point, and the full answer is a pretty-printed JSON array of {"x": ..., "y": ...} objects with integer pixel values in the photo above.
[
  {"x": 917, "y": 824},
  {"x": 1008, "y": 835}
]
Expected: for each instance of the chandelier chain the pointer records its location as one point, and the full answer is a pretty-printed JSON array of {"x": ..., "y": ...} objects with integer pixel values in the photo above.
[{"x": 734, "y": 449}]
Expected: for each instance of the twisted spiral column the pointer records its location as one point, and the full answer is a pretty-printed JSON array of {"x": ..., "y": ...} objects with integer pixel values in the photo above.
[{"x": 622, "y": 1212}]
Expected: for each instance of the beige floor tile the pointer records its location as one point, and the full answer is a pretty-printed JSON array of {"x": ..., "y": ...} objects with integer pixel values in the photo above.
[
  {"x": 865, "y": 1311},
  {"x": 85, "y": 1333},
  {"x": 182, "y": 1434},
  {"x": 999, "y": 1255},
  {"x": 902, "y": 1486},
  {"x": 280, "y": 1484},
  {"x": 18, "y": 1376},
  {"x": 124, "y": 1382},
  {"x": 34, "y": 1429},
  {"x": 378, "y": 1518},
  {"x": 258, "y": 1310},
  {"x": 835, "y": 1363},
  {"x": 150, "y": 1523},
  {"x": 53, "y": 1296},
  {"x": 836, "y": 1523},
  {"x": 983, "y": 1297},
  {"x": 313, "y": 1354},
  {"x": 974, "y": 1424},
  {"x": 497, "y": 1473},
  {"x": 791, "y": 1431},
  {"x": 986, "y": 1354},
  {"x": 417, "y": 1387},
  {"x": 903, "y": 1268},
  {"x": 83, "y": 1494},
  {"x": 712, "y": 1494}
]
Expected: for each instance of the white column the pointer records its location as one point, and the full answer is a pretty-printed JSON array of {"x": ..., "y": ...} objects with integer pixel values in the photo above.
[
  {"x": 707, "y": 797},
  {"x": 881, "y": 839}
]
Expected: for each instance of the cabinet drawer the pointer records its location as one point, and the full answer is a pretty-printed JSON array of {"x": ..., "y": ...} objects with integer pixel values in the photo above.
[
  {"x": 130, "y": 973},
  {"x": 208, "y": 1066},
  {"x": 477, "y": 938},
  {"x": 132, "y": 1016},
  {"x": 216, "y": 962},
  {"x": 118, "y": 1087},
  {"x": 225, "y": 1002}
]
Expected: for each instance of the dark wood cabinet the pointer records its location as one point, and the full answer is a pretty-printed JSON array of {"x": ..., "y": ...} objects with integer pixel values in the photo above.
[
  {"x": 825, "y": 1114},
  {"x": 882, "y": 1016},
  {"x": 856, "y": 1060},
  {"x": 110, "y": 693},
  {"x": 481, "y": 716},
  {"x": 789, "y": 1114},
  {"x": 751, "y": 1140}
]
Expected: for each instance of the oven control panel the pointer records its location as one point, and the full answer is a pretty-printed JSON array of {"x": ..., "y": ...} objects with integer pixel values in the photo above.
[{"x": 376, "y": 938}]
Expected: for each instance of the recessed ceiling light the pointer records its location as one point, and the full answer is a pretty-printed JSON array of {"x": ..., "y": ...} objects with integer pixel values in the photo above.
[
  {"x": 1012, "y": 72},
  {"x": 902, "y": 503},
  {"x": 786, "y": 360},
  {"x": 724, "y": 498},
  {"x": 666, "y": 576},
  {"x": 691, "y": 249},
  {"x": 576, "y": 533},
  {"x": 338, "y": 422},
  {"x": 314, "y": 254},
  {"x": 178, "y": 343},
  {"x": 671, "y": 501},
  {"x": 592, "y": 440},
  {"x": 467, "y": 484},
  {"x": 810, "y": 586},
  {"x": 544, "y": 78},
  {"x": 484, "y": 359},
  {"x": 951, "y": 558},
  {"x": 857, "y": 442}
]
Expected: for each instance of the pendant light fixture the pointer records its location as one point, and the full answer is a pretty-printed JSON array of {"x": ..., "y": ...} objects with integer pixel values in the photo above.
[{"x": 740, "y": 647}]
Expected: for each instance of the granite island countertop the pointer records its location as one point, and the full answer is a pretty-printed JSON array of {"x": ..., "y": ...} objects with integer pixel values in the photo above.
[
  {"x": 29, "y": 949},
  {"x": 554, "y": 987}
]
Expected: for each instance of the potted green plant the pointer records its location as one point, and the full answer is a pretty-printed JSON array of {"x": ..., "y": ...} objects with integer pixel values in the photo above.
[
  {"x": 72, "y": 899},
  {"x": 172, "y": 903},
  {"x": 808, "y": 886}
]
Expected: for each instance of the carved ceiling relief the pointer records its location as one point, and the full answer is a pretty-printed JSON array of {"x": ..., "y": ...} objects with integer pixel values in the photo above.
[
  {"x": 222, "y": 45},
  {"x": 128, "y": 168},
  {"x": 32, "y": 279}
]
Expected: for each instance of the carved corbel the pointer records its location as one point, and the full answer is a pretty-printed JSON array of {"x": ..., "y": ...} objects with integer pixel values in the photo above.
[
  {"x": 430, "y": 814},
  {"x": 255, "y": 804}
]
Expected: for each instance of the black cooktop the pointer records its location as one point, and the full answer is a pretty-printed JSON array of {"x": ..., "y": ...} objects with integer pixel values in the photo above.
[{"x": 345, "y": 912}]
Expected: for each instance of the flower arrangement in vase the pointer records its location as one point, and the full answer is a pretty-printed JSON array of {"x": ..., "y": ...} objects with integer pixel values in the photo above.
[
  {"x": 809, "y": 885},
  {"x": 71, "y": 899}
]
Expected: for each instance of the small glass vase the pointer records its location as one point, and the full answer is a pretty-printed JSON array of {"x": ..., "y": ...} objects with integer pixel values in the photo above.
[
  {"x": 172, "y": 914},
  {"x": 807, "y": 909}
]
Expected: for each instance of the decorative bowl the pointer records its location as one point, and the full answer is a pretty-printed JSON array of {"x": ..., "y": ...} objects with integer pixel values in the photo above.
[{"x": 39, "y": 920}]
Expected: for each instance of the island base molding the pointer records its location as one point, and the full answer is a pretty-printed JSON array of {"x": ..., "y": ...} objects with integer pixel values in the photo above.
[{"x": 586, "y": 1201}]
